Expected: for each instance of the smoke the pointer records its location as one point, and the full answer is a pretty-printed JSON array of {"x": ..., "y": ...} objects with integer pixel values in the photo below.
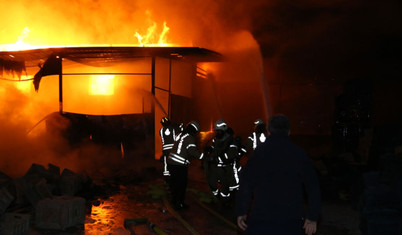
[
  {"x": 195, "y": 23},
  {"x": 302, "y": 42},
  {"x": 222, "y": 26}
]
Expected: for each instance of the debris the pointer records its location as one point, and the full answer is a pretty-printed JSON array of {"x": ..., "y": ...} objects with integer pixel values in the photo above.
[
  {"x": 15, "y": 224},
  {"x": 60, "y": 212},
  {"x": 129, "y": 223},
  {"x": 5, "y": 199},
  {"x": 34, "y": 190},
  {"x": 70, "y": 183}
]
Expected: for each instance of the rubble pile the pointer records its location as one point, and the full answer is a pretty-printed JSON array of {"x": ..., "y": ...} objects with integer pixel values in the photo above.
[{"x": 44, "y": 198}]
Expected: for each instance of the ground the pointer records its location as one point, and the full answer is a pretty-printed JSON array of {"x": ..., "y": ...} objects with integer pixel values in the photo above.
[
  {"x": 135, "y": 193},
  {"x": 138, "y": 200}
]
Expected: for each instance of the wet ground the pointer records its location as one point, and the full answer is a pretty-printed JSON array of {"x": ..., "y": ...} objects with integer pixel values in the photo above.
[
  {"x": 141, "y": 207},
  {"x": 135, "y": 193},
  {"x": 141, "y": 204}
]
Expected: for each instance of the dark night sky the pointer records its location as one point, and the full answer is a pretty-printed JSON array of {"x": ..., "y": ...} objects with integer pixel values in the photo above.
[
  {"x": 341, "y": 39},
  {"x": 331, "y": 42},
  {"x": 312, "y": 48}
]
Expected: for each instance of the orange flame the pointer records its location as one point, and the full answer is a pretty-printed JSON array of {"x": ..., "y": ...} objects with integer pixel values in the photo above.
[
  {"x": 149, "y": 39},
  {"x": 20, "y": 44},
  {"x": 24, "y": 84},
  {"x": 101, "y": 85}
]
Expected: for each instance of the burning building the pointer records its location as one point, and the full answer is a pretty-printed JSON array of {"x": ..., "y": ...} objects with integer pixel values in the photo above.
[
  {"x": 114, "y": 95},
  {"x": 147, "y": 54}
]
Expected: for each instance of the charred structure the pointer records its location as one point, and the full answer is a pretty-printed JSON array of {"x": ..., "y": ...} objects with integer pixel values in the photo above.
[{"x": 114, "y": 95}]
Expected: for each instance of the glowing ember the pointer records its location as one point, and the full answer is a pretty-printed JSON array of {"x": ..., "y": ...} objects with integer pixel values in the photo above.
[{"x": 101, "y": 85}]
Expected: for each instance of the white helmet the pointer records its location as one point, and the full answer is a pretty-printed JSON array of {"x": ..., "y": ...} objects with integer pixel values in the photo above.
[
  {"x": 221, "y": 125},
  {"x": 259, "y": 122}
]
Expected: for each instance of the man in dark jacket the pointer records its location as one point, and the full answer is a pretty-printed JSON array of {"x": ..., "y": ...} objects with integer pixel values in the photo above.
[{"x": 274, "y": 181}]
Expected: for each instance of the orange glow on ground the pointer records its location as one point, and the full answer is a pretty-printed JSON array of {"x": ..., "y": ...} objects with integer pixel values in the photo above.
[{"x": 101, "y": 85}]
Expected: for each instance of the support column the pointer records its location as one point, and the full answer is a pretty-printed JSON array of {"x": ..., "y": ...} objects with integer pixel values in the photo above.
[
  {"x": 61, "y": 87},
  {"x": 170, "y": 89}
]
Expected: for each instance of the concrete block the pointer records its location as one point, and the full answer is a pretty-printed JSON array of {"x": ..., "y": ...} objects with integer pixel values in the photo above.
[
  {"x": 54, "y": 169},
  {"x": 15, "y": 224},
  {"x": 5, "y": 180},
  {"x": 70, "y": 183},
  {"x": 5, "y": 199},
  {"x": 60, "y": 212},
  {"x": 19, "y": 192},
  {"x": 34, "y": 190}
]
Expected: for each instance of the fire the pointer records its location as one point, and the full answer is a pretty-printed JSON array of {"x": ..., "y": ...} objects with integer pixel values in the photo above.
[
  {"x": 101, "y": 85},
  {"x": 149, "y": 39},
  {"x": 20, "y": 44},
  {"x": 24, "y": 84}
]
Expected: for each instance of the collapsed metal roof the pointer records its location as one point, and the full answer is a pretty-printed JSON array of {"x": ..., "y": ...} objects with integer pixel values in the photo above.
[
  {"x": 49, "y": 59},
  {"x": 191, "y": 54}
]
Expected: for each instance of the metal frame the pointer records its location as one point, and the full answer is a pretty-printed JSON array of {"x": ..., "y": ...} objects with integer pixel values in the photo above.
[{"x": 152, "y": 73}]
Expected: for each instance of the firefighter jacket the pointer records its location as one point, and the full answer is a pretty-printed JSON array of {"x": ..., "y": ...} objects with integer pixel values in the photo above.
[
  {"x": 225, "y": 151},
  {"x": 168, "y": 135},
  {"x": 254, "y": 140},
  {"x": 184, "y": 150}
]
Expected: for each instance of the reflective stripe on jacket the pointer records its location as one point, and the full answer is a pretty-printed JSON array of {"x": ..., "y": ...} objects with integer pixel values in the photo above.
[
  {"x": 228, "y": 156},
  {"x": 168, "y": 135},
  {"x": 184, "y": 150}
]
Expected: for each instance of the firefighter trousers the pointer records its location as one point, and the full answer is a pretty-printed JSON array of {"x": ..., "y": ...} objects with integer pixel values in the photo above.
[
  {"x": 220, "y": 179},
  {"x": 178, "y": 183}
]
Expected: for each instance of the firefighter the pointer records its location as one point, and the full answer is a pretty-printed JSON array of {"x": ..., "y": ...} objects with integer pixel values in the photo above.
[
  {"x": 258, "y": 136},
  {"x": 183, "y": 151},
  {"x": 221, "y": 172},
  {"x": 168, "y": 133}
]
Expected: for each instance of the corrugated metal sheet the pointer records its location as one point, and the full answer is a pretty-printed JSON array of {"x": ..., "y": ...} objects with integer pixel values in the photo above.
[{"x": 192, "y": 54}]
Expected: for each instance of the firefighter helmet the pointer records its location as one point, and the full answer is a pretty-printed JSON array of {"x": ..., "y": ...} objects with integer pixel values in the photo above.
[
  {"x": 259, "y": 126},
  {"x": 258, "y": 122},
  {"x": 195, "y": 125},
  {"x": 165, "y": 120},
  {"x": 221, "y": 125}
]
